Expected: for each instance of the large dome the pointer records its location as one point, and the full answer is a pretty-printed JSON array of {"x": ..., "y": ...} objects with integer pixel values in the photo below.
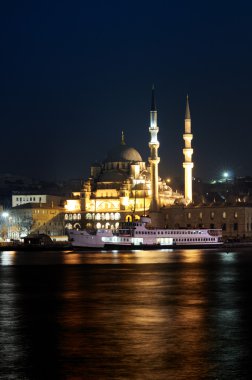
[{"x": 122, "y": 153}]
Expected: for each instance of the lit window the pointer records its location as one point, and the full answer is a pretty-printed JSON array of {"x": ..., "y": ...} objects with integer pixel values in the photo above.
[
  {"x": 224, "y": 215},
  {"x": 236, "y": 215},
  {"x": 117, "y": 216}
]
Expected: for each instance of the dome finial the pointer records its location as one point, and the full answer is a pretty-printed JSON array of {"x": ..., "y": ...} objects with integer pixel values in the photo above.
[{"x": 123, "y": 139}]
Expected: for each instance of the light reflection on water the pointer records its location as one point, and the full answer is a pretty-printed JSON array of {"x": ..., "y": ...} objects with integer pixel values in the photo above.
[{"x": 132, "y": 315}]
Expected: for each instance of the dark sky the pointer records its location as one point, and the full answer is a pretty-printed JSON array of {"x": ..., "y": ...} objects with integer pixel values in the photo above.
[{"x": 74, "y": 74}]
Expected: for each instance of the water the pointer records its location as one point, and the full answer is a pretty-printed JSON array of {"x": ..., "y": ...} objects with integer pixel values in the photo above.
[{"x": 134, "y": 315}]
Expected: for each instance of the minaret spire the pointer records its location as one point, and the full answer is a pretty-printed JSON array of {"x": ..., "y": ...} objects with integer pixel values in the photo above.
[
  {"x": 188, "y": 152},
  {"x": 123, "y": 139},
  {"x": 187, "y": 113},
  {"x": 153, "y": 102},
  {"x": 154, "y": 159}
]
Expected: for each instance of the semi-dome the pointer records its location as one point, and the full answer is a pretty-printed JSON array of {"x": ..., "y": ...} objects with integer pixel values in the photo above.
[{"x": 122, "y": 153}]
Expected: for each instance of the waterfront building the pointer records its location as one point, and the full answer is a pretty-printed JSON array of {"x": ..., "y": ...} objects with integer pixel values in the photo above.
[
  {"x": 234, "y": 220},
  {"x": 20, "y": 198},
  {"x": 35, "y": 218}
]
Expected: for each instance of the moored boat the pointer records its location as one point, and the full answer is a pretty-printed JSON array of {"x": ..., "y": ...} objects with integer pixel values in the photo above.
[{"x": 140, "y": 235}]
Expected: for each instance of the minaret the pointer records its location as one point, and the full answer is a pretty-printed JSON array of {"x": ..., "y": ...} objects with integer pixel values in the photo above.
[
  {"x": 154, "y": 159},
  {"x": 123, "y": 139},
  {"x": 188, "y": 152}
]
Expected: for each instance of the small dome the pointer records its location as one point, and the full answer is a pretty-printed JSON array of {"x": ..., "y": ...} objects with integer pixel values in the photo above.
[{"x": 123, "y": 153}]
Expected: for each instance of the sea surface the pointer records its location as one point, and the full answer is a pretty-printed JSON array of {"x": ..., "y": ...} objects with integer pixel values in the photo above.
[{"x": 183, "y": 314}]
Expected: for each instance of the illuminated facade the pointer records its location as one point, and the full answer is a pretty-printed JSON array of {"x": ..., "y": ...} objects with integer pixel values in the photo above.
[{"x": 123, "y": 186}]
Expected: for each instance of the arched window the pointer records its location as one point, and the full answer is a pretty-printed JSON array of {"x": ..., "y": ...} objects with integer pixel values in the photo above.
[
  {"x": 79, "y": 217},
  {"x": 128, "y": 218},
  {"x": 117, "y": 216},
  {"x": 69, "y": 226},
  {"x": 66, "y": 216},
  {"x": 98, "y": 225},
  {"x": 88, "y": 216}
]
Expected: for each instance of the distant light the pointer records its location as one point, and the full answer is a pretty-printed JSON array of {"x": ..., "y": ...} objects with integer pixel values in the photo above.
[
  {"x": 168, "y": 180},
  {"x": 225, "y": 174},
  {"x": 5, "y": 214}
]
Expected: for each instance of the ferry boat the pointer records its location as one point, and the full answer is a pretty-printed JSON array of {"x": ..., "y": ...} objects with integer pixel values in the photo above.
[{"x": 140, "y": 235}]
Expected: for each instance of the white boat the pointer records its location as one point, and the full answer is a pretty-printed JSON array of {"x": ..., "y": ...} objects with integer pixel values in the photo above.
[{"x": 140, "y": 235}]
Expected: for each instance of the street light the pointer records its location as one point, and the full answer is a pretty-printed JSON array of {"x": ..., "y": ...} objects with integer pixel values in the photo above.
[{"x": 225, "y": 174}]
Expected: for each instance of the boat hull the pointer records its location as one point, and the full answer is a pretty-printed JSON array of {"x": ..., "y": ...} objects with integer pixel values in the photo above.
[{"x": 147, "y": 247}]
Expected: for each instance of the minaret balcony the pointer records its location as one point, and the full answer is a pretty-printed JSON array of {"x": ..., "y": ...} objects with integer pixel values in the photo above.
[
  {"x": 187, "y": 151},
  {"x": 188, "y": 165},
  {"x": 187, "y": 136}
]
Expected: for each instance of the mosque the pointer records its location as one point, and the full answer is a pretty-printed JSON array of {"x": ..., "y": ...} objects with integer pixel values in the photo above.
[{"x": 123, "y": 187}]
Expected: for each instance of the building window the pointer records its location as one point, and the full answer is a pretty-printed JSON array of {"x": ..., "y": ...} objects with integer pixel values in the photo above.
[
  {"x": 224, "y": 227},
  {"x": 212, "y": 215},
  {"x": 235, "y": 226},
  {"x": 189, "y": 215},
  {"x": 117, "y": 216},
  {"x": 236, "y": 214},
  {"x": 69, "y": 226},
  {"x": 79, "y": 216},
  {"x": 201, "y": 215},
  {"x": 224, "y": 215},
  {"x": 211, "y": 225},
  {"x": 66, "y": 216}
]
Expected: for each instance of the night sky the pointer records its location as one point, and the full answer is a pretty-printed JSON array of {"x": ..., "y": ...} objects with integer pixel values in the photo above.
[{"x": 74, "y": 74}]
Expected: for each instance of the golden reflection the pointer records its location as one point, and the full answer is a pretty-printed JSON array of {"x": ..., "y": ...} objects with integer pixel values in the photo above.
[
  {"x": 7, "y": 257},
  {"x": 192, "y": 255},
  {"x": 71, "y": 257}
]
